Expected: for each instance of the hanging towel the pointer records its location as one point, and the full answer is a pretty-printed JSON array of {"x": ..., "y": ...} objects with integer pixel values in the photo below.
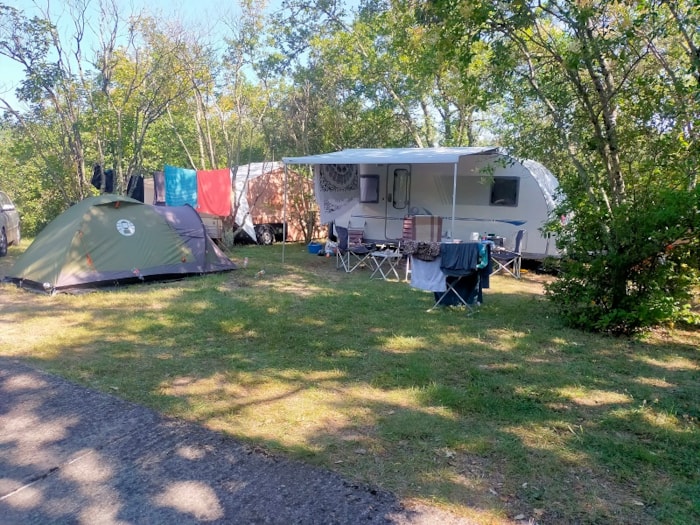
[
  {"x": 427, "y": 275},
  {"x": 158, "y": 189},
  {"x": 180, "y": 186},
  {"x": 459, "y": 258},
  {"x": 214, "y": 192}
]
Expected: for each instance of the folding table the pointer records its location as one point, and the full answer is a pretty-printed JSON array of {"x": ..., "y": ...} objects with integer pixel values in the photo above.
[{"x": 386, "y": 263}]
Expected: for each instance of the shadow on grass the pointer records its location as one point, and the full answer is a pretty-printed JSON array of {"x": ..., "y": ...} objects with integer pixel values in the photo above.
[{"x": 498, "y": 414}]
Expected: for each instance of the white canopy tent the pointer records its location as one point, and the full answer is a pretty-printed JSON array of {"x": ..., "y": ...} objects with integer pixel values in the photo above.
[{"x": 243, "y": 175}]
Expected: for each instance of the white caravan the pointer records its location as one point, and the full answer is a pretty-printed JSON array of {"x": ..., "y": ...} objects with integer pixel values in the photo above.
[{"x": 475, "y": 191}]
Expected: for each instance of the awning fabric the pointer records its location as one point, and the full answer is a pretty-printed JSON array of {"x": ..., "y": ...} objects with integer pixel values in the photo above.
[
  {"x": 391, "y": 156},
  {"x": 336, "y": 177}
]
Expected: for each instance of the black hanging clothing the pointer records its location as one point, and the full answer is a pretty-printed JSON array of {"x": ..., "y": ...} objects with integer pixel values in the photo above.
[
  {"x": 97, "y": 176},
  {"x": 135, "y": 188}
]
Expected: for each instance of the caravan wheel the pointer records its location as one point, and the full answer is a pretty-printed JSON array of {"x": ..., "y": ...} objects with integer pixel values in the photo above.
[{"x": 265, "y": 234}]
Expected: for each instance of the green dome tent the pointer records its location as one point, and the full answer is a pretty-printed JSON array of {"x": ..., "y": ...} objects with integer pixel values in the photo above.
[{"x": 111, "y": 239}]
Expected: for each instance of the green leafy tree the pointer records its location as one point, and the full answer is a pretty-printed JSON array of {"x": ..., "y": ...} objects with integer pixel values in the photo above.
[
  {"x": 53, "y": 87},
  {"x": 22, "y": 176},
  {"x": 139, "y": 82},
  {"x": 582, "y": 89},
  {"x": 377, "y": 78}
]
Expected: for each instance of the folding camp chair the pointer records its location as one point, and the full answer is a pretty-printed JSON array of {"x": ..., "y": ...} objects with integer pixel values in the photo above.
[
  {"x": 508, "y": 261},
  {"x": 407, "y": 235},
  {"x": 351, "y": 253},
  {"x": 423, "y": 228},
  {"x": 462, "y": 265}
]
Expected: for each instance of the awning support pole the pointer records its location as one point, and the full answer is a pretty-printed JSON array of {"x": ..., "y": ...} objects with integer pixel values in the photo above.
[
  {"x": 284, "y": 214},
  {"x": 454, "y": 201}
]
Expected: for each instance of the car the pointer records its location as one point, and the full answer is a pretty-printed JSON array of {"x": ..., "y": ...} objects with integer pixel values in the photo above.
[{"x": 9, "y": 224}]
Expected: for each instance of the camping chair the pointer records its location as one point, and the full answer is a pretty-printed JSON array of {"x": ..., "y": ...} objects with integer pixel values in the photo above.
[
  {"x": 407, "y": 235},
  {"x": 351, "y": 253},
  {"x": 463, "y": 266},
  {"x": 424, "y": 228},
  {"x": 508, "y": 260}
]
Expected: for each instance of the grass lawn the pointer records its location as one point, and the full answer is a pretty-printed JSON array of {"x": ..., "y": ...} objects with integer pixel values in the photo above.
[{"x": 497, "y": 416}]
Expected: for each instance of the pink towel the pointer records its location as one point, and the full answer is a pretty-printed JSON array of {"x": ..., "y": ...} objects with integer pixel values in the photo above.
[{"x": 214, "y": 192}]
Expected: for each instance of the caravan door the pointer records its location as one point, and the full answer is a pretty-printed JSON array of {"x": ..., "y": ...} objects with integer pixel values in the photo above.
[
  {"x": 384, "y": 200},
  {"x": 398, "y": 202}
]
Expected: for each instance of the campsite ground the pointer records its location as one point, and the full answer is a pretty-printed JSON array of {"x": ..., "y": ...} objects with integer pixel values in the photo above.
[{"x": 499, "y": 417}]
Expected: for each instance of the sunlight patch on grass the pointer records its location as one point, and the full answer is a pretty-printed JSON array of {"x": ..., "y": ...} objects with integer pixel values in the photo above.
[
  {"x": 501, "y": 340},
  {"x": 508, "y": 285},
  {"x": 663, "y": 420},
  {"x": 233, "y": 327},
  {"x": 43, "y": 343},
  {"x": 300, "y": 287},
  {"x": 648, "y": 419},
  {"x": 500, "y": 367},
  {"x": 558, "y": 341},
  {"x": 588, "y": 397},
  {"x": 457, "y": 483},
  {"x": 198, "y": 307},
  {"x": 300, "y": 416},
  {"x": 655, "y": 382},
  {"x": 310, "y": 378},
  {"x": 673, "y": 363},
  {"x": 452, "y": 337},
  {"x": 294, "y": 417},
  {"x": 348, "y": 353},
  {"x": 313, "y": 321},
  {"x": 26, "y": 337},
  {"x": 189, "y": 386},
  {"x": 398, "y": 344},
  {"x": 554, "y": 437}
]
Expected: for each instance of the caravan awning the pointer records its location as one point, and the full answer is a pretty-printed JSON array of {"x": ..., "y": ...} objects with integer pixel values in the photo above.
[{"x": 392, "y": 156}]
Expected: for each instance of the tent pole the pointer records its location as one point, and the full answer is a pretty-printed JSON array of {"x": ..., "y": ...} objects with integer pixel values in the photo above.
[
  {"x": 284, "y": 214},
  {"x": 454, "y": 201}
]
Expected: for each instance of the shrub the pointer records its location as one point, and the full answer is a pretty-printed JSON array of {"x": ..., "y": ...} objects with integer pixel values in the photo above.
[{"x": 632, "y": 271}]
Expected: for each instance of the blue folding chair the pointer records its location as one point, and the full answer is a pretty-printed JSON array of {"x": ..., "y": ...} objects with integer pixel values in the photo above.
[
  {"x": 351, "y": 253},
  {"x": 508, "y": 261}
]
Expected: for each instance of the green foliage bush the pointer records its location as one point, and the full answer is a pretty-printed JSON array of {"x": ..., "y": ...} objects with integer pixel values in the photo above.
[
  {"x": 38, "y": 184},
  {"x": 634, "y": 270}
]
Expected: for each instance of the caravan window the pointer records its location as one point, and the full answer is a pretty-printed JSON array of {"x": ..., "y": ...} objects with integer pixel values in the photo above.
[
  {"x": 369, "y": 188},
  {"x": 504, "y": 191},
  {"x": 402, "y": 188}
]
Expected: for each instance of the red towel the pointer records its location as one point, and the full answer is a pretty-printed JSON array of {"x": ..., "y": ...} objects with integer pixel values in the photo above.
[{"x": 214, "y": 192}]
